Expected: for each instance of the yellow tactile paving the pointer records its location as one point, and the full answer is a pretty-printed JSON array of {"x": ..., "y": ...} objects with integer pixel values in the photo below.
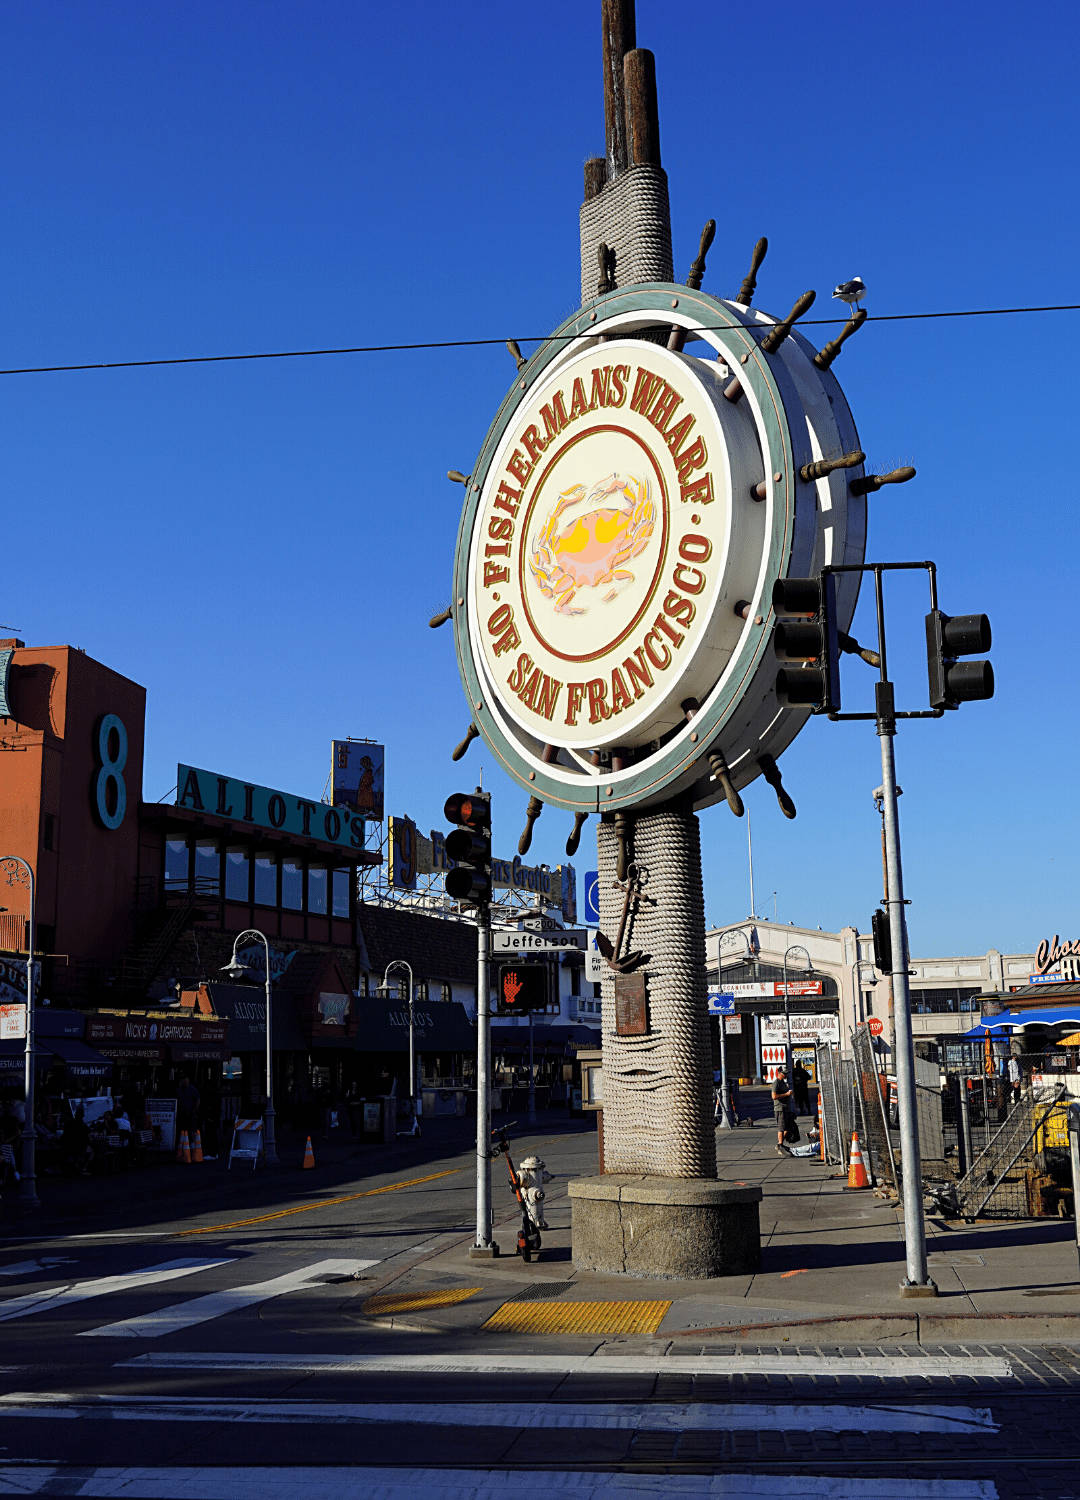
[
  {"x": 577, "y": 1317},
  {"x": 390, "y": 1303}
]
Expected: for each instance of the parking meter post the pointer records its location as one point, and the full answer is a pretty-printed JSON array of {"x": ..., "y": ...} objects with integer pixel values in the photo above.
[
  {"x": 726, "y": 1122},
  {"x": 964, "y": 1127},
  {"x": 1074, "y": 1162}
]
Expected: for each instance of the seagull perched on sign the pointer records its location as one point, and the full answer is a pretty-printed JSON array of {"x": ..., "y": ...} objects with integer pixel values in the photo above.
[{"x": 852, "y": 292}]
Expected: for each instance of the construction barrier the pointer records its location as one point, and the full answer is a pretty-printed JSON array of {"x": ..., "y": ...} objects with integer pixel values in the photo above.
[
  {"x": 247, "y": 1141},
  {"x": 856, "y": 1177}
]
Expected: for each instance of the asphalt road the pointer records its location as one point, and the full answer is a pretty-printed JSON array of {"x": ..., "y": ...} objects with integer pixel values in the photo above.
[{"x": 228, "y": 1354}]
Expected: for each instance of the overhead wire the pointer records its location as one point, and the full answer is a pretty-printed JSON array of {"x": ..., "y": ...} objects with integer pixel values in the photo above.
[{"x": 420, "y": 346}]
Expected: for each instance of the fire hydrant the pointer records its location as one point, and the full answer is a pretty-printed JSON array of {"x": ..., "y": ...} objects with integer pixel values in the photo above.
[{"x": 532, "y": 1174}]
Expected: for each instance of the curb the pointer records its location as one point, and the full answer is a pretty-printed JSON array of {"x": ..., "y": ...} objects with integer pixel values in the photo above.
[{"x": 920, "y": 1328}]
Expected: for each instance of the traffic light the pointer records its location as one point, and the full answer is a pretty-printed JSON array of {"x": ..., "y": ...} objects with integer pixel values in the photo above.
[
  {"x": 811, "y": 640},
  {"x": 469, "y": 846},
  {"x": 522, "y": 987},
  {"x": 954, "y": 682},
  {"x": 879, "y": 926}
]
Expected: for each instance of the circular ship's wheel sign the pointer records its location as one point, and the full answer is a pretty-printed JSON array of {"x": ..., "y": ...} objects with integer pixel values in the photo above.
[{"x": 615, "y": 562}]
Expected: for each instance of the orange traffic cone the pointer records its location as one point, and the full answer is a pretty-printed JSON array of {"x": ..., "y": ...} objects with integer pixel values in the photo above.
[
  {"x": 196, "y": 1150},
  {"x": 183, "y": 1150},
  {"x": 309, "y": 1155},
  {"x": 856, "y": 1177}
]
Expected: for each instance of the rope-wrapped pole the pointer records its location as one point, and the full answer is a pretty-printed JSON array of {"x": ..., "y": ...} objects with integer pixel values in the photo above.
[{"x": 658, "y": 1098}]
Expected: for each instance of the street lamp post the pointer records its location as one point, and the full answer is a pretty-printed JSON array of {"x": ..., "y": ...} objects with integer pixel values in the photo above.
[
  {"x": 235, "y": 969},
  {"x": 861, "y": 963},
  {"x": 794, "y": 948},
  {"x": 726, "y": 1122},
  {"x": 18, "y": 872},
  {"x": 402, "y": 963}
]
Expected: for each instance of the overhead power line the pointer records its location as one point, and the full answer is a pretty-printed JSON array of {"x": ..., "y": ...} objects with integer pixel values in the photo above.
[{"x": 216, "y": 359}]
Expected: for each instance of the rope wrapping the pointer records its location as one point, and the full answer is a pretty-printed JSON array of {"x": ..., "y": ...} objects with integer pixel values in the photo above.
[
  {"x": 658, "y": 1108},
  {"x": 633, "y": 216}
]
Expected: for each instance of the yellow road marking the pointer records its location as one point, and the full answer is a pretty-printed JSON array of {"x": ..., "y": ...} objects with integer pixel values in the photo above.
[
  {"x": 376, "y": 1307},
  {"x": 307, "y": 1208},
  {"x": 577, "y": 1317}
]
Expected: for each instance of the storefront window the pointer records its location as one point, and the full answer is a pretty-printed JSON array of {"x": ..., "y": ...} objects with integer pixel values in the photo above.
[
  {"x": 265, "y": 880},
  {"x": 316, "y": 889},
  {"x": 236, "y": 874},
  {"x": 177, "y": 867},
  {"x": 342, "y": 879},
  {"x": 207, "y": 867},
  {"x": 292, "y": 885}
]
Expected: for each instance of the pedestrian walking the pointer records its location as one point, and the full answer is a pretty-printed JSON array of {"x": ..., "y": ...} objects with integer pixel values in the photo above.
[
  {"x": 1015, "y": 1077},
  {"x": 800, "y": 1088},
  {"x": 781, "y": 1098},
  {"x": 187, "y": 1106}
]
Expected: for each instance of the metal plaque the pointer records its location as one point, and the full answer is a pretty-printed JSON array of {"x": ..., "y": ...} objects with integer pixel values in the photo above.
[{"x": 630, "y": 1010}]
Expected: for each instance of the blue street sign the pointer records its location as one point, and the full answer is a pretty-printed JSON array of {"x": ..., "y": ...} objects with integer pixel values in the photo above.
[
  {"x": 721, "y": 1003},
  {"x": 592, "y": 898}
]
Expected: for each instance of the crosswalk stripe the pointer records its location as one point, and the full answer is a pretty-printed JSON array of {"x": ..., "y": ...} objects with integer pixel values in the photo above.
[
  {"x": 898, "y": 1366},
  {"x": 355, "y": 1483},
  {"x": 50, "y": 1298},
  {"x": 155, "y": 1325},
  {"x": 637, "y": 1416}
]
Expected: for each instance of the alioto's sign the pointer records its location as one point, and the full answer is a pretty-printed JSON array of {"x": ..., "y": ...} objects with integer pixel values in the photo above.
[{"x": 261, "y": 806}]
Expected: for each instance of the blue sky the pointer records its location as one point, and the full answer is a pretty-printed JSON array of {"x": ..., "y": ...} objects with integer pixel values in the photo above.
[{"x": 261, "y": 544}]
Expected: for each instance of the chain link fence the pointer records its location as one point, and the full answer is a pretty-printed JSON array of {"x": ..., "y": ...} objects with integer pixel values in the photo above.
[{"x": 1006, "y": 1142}]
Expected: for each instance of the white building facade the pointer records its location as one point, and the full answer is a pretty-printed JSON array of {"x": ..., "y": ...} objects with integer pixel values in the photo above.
[{"x": 833, "y": 985}]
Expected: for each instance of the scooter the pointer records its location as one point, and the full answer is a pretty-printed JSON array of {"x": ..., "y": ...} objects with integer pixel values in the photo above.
[{"x": 528, "y": 1238}]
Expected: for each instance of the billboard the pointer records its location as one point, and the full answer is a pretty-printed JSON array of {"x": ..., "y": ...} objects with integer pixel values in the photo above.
[
  {"x": 404, "y": 842},
  {"x": 356, "y": 777}
]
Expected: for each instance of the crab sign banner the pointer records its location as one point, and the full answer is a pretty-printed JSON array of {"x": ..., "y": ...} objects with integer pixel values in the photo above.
[
  {"x": 601, "y": 549},
  {"x": 622, "y": 531}
]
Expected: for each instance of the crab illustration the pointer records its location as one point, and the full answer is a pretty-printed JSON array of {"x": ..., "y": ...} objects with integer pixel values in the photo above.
[{"x": 592, "y": 546}]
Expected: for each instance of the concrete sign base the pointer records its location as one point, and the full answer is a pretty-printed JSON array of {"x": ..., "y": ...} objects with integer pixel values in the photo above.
[{"x": 684, "y": 1229}]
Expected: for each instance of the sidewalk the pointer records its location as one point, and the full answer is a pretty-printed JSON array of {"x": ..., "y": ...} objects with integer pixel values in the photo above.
[
  {"x": 832, "y": 1264},
  {"x": 832, "y": 1260}
]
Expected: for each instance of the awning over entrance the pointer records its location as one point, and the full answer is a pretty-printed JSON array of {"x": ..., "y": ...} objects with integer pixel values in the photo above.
[
  {"x": 80, "y": 1060},
  {"x": 244, "y": 1007},
  {"x": 1065, "y": 1015},
  {"x": 442, "y": 1026},
  {"x": 557, "y": 1038}
]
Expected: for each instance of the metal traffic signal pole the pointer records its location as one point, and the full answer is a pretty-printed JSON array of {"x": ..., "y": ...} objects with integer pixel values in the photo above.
[
  {"x": 918, "y": 1282},
  {"x": 469, "y": 846},
  {"x": 485, "y": 1245},
  {"x": 918, "y": 1278}
]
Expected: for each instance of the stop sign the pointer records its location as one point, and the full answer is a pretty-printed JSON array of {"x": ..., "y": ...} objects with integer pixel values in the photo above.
[{"x": 876, "y": 1028}]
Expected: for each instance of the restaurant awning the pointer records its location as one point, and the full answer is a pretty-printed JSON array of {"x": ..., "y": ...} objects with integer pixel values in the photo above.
[
  {"x": 546, "y": 1038},
  {"x": 244, "y": 1007},
  {"x": 80, "y": 1060},
  {"x": 1065, "y": 1015},
  {"x": 439, "y": 1026}
]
